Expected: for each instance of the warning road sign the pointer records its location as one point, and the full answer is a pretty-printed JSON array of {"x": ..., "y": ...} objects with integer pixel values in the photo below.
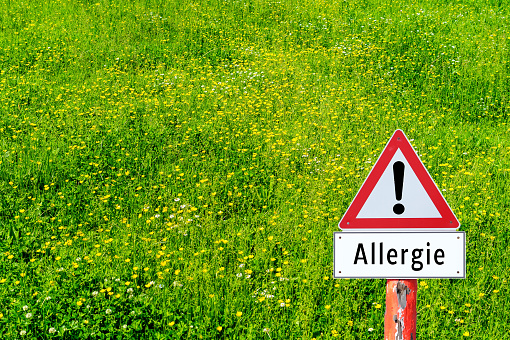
[{"x": 399, "y": 193}]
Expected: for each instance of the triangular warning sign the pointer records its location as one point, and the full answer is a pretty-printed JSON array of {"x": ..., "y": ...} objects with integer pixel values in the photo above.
[{"x": 399, "y": 193}]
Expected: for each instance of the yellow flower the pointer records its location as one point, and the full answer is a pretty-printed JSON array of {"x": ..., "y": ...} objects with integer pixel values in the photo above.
[
  {"x": 378, "y": 306},
  {"x": 219, "y": 328},
  {"x": 239, "y": 313},
  {"x": 466, "y": 334},
  {"x": 79, "y": 303},
  {"x": 1, "y": 315},
  {"x": 171, "y": 323}
]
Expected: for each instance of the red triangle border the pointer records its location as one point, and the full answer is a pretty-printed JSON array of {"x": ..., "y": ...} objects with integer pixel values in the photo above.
[{"x": 399, "y": 141}]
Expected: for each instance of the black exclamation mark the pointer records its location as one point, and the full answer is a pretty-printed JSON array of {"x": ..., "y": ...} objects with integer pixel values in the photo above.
[{"x": 398, "y": 177}]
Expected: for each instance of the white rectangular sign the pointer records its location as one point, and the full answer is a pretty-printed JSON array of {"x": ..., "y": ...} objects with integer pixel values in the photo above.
[{"x": 400, "y": 255}]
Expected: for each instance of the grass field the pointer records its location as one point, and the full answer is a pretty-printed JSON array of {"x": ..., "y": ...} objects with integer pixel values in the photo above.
[{"x": 176, "y": 169}]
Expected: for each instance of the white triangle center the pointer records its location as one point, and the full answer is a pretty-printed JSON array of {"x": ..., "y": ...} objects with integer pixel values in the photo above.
[{"x": 416, "y": 201}]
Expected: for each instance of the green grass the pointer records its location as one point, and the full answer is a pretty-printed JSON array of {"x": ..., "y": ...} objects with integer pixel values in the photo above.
[{"x": 177, "y": 169}]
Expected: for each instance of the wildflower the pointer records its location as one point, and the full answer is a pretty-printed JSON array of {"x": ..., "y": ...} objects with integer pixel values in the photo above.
[
  {"x": 25, "y": 308},
  {"x": 52, "y": 330},
  {"x": 23, "y": 332},
  {"x": 370, "y": 329},
  {"x": 239, "y": 313},
  {"x": 124, "y": 326},
  {"x": 94, "y": 293},
  {"x": 28, "y": 315},
  {"x": 108, "y": 311},
  {"x": 219, "y": 328}
]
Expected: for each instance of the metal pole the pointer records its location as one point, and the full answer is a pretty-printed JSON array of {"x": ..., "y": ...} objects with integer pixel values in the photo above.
[{"x": 400, "y": 315}]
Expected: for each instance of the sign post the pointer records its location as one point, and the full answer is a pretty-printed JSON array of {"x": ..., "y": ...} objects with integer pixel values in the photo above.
[
  {"x": 400, "y": 315},
  {"x": 400, "y": 228}
]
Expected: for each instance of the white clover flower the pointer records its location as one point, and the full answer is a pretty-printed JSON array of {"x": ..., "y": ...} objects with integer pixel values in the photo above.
[
  {"x": 47, "y": 298},
  {"x": 94, "y": 293},
  {"x": 157, "y": 216},
  {"x": 129, "y": 290},
  {"x": 124, "y": 326},
  {"x": 23, "y": 332},
  {"x": 52, "y": 330},
  {"x": 28, "y": 315},
  {"x": 25, "y": 307},
  {"x": 241, "y": 265},
  {"x": 108, "y": 311}
]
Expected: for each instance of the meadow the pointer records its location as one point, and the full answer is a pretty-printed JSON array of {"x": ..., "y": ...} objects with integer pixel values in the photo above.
[{"x": 176, "y": 169}]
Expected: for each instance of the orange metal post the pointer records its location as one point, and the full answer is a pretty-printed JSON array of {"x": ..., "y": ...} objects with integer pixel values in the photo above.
[{"x": 400, "y": 315}]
